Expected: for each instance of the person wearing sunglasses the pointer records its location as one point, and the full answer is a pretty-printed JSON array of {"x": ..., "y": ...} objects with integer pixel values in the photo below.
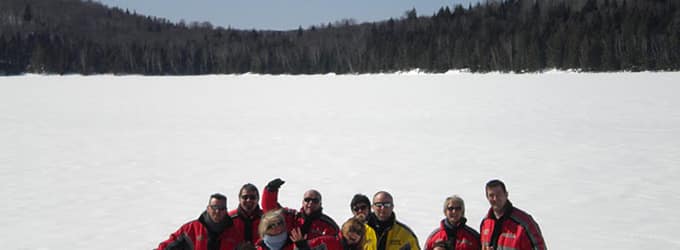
[
  {"x": 505, "y": 226},
  {"x": 247, "y": 216},
  {"x": 361, "y": 208},
  {"x": 213, "y": 230},
  {"x": 310, "y": 218},
  {"x": 452, "y": 229},
  {"x": 391, "y": 234},
  {"x": 274, "y": 232}
]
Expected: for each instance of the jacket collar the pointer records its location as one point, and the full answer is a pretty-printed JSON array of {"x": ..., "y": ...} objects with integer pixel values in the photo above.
[
  {"x": 506, "y": 211},
  {"x": 315, "y": 215},
  {"x": 257, "y": 213},
  {"x": 212, "y": 226},
  {"x": 446, "y": 224}
]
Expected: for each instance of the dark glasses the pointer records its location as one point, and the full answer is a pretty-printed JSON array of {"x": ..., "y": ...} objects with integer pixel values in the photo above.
[
  {"x": 275, "y": 225},
  {"x": 312, "y": 200},
  {"x": 218, "y": 208},
  {"x": 383, "y": 204},
  {"x": 359, "y": 208},
  {"x": 455, "y": 208},
  {"x": 248, "y": 197}
]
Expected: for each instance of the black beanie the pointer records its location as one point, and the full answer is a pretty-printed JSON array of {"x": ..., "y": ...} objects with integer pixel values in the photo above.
[{"x": 359, "y": 198}]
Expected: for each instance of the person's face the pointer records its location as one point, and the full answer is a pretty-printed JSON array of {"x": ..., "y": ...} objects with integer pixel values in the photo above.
[
  {"x": 361, "y": 209},
  {"x": 382, "y": 207},
  {"x": 352, "y": 238},
  {"x": 248, "y": 200},
  {"x": 217, "y": 210},
  {"x": 276, "y": 227},
  {"x": 497, "y": 198},
  {"x": 453, "y": 212},
  {"x": 311, "y": 202}
]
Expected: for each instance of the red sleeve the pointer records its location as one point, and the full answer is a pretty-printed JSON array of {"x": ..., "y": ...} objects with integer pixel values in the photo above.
[
  {"x": 270, "y": 200},
  {"x": 534, "y": 237},
  {"x": 428, "y": 243},
  {"x": 175, "y": 238}
]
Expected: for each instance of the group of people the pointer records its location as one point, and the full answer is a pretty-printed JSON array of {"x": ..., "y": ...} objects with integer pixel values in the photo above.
[{"x": 373, "y": 225}]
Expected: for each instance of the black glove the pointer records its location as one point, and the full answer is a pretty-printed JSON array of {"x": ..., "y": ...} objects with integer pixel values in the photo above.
[{"x": 275, "y": 184}]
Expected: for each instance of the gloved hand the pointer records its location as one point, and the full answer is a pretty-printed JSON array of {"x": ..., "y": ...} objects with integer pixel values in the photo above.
[{"x": 275, "y": 184}]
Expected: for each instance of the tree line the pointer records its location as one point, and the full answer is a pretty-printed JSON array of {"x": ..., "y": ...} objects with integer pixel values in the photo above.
[{"x": 86, "y": 37}]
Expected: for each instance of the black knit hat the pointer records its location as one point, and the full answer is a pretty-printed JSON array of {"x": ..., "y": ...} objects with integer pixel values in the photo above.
[{"x": 358, "y": 199}]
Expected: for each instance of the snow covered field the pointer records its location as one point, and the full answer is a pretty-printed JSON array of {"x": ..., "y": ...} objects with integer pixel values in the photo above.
[{"x": 121, "y": 162}]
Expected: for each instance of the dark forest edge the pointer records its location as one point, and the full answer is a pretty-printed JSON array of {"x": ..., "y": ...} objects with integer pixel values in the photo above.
[{"x": 86, "y": 37}]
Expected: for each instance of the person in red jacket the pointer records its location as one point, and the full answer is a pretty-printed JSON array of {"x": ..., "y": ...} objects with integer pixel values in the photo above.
[
  {"x": 452, "y": 228},
  {"x": 213, "y": 230},
  {"x": 247, "y": 216},
  {"x": 505, "y": 226},
  {"x": 310, "y": 219},
  {"x": 351, "y": 237}
]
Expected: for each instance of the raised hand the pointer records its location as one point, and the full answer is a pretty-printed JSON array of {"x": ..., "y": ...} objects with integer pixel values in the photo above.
[{"x": 275, "y": 184}]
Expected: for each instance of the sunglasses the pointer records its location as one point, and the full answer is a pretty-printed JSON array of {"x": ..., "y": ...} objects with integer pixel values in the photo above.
[
  {"x": 218, "y": 208},
  {"x": 359, "y": 208},
  {"x": 383, "y": 204},
  {"x": 246, "y": 197},
  {"x": 455, "y": 208},
  {"x": 312, "y": 200},
  {"x": 275, "y": 225}
]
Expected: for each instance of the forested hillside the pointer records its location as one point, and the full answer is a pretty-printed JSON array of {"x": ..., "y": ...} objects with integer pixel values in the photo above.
[{"x": 74, "y": 36}]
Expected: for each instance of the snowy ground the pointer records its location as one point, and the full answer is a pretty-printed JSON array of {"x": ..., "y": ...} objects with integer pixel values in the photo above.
[{"x": 121, "y": 162}]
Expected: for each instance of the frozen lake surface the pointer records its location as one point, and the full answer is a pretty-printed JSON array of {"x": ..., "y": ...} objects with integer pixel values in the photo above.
[{"x": 121, "y": 162}]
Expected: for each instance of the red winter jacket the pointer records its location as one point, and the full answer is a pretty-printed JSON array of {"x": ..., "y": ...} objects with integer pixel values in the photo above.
[
  {"x": 318, "y": 243},
  {"x": 321, "y": 243},
  {"x": 466, "y": 238},
  {"x": 194, "y": 235},
  {"x": 514, "y": 230},
  {"x": 247, "y": 223},
  {"x": 320, "y": 224}
]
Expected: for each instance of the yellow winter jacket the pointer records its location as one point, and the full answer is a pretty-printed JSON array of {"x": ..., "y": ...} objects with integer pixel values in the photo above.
[
  {"x": 370, "y": 239},
  {"x": 396, "y": 236}
]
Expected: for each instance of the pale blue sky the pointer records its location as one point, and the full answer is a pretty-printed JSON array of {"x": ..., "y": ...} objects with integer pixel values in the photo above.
[{"x": 279, "y": 14}]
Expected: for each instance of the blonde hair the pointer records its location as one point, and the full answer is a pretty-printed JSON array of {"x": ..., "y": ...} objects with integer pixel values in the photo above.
[
  {"x": 269, "y": 218},
  {"x": 456, "y": 199},
  {"x": 354, "y": 225}
]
